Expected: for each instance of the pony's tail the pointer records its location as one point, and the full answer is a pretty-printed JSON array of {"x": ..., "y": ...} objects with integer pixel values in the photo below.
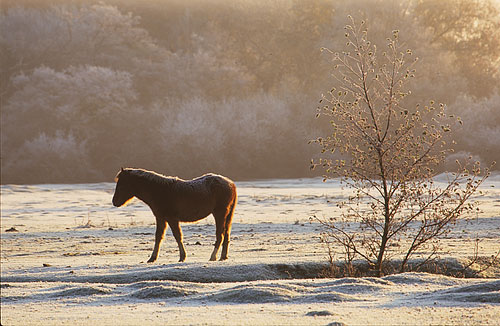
[{"x": 229, "y": 216}]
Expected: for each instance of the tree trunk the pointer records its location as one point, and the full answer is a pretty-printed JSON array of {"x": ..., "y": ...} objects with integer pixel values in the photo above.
[
  {"x": 383, "y": 244},
  {"x": 387, "y": 218}
]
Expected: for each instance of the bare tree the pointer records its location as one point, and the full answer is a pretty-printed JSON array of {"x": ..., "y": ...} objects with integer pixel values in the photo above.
[{"x": 388, "y": 156}]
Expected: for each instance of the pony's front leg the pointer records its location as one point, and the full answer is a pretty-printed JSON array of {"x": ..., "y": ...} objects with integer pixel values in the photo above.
[
  {"x": 161, "y": 226},
  {"x": 177, "y": 232}
]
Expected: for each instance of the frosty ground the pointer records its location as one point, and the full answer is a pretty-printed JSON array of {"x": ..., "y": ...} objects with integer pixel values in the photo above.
[{"x": 75, "y": 259}]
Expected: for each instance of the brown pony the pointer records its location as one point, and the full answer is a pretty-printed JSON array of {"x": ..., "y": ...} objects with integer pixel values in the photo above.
[{"x": 174, "y": 200}]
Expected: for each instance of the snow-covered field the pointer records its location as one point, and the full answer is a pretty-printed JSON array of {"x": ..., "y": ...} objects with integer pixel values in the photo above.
[{"x": 75, "y": 259}]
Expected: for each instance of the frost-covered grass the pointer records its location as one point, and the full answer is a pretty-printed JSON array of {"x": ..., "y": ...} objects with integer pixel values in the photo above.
[{"x": 76, "y": 260}]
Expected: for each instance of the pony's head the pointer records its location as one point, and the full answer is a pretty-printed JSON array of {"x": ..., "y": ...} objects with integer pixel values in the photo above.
[{"x": 123, "y": 191}]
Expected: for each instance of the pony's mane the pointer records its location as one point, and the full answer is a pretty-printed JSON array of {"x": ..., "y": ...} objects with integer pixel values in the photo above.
[{"x": 148, "y": 175}]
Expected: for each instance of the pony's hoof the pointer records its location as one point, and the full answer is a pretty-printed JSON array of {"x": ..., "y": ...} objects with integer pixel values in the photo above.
[
  {"x": 223, "y": 258},
  {"x": 213, "y": 259},
  {"x": 151, "y": 260}
]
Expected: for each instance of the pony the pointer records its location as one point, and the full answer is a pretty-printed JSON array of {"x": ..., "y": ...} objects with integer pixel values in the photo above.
[{"x": 173, "y": 200}]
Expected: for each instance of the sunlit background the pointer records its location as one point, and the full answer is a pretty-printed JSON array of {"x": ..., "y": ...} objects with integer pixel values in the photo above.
[{"x": 188, "y": 87}]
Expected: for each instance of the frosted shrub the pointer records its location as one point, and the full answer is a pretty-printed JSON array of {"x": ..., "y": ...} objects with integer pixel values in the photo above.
[
  {"x": 481, "y": 125},
  {"x": 71, "y": 35},
  {"x": 83, "y": 102},
  {"x": 56, "y": 157},
  {"x": 232, "y": 135}
]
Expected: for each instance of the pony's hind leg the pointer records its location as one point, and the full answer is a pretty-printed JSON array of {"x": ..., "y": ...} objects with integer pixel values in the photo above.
[
  {"x": 176, "y": 230},
  {"x": 219, "y": 230},
  {"x": 227, "y": 232},
  {"x": 161, "y": 226},
  {"x": 225, "y": 244}
]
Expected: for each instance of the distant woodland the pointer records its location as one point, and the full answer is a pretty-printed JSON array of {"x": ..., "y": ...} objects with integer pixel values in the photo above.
[{"x": 227, "y": 86}]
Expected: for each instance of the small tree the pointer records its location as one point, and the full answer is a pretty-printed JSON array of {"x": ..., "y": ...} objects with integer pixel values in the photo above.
[{"x": 388, "y": 156}]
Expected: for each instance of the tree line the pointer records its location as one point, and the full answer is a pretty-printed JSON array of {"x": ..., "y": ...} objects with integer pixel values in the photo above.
[{"x": 223, "y": 86}]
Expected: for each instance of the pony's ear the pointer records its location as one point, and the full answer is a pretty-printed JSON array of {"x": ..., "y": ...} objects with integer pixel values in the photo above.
[
  {"x": 119, "y": 173},
  {"x": 121, "y": 169}
]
